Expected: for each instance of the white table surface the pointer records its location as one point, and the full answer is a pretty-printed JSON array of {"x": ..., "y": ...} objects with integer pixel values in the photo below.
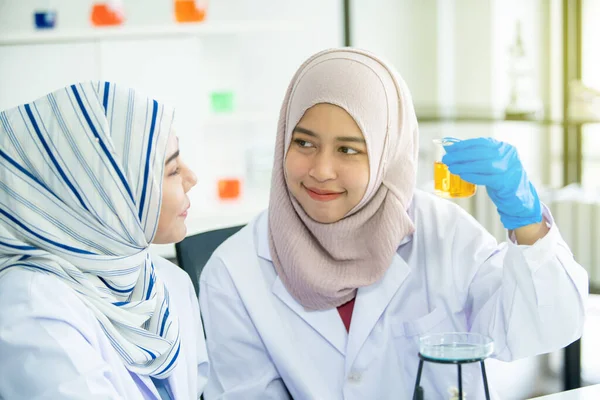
[{"x": 586, "y": 393}]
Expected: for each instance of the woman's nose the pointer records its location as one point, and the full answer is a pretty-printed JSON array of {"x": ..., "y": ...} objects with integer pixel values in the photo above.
[
  {"x": 323, "y": 168},
  {"x": 190, "y": 180}
]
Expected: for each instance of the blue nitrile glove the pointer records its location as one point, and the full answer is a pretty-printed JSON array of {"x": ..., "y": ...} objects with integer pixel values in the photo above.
[{"x": 485, "y": 161}]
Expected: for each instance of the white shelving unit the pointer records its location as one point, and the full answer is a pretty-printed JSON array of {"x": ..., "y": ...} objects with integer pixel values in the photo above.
[
  {"x": 110, "y": 55},
  {"x": 238, "y": 118},
  {"x": 250, "y": 49},
  {"x": 146, "y": 32}
]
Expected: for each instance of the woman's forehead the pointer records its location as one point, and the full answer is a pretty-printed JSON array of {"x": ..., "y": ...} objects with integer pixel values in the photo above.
[
  {"x": 172, "y": 142},
  {"x": 329, "y": 118}
]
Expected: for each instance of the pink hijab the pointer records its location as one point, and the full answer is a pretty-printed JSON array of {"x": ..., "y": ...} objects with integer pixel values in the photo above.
[{"x": 323, "y": 265}]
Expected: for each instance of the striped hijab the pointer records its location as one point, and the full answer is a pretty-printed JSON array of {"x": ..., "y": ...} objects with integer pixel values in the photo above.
[{"x": 80, "y": 192}]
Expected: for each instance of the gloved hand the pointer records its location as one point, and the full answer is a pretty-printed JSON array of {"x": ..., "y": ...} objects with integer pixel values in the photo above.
[{"x": 485, "y": 161}]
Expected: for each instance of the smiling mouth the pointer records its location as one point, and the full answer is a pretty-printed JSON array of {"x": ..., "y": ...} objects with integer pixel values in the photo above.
[
  {"x": 322, "y": 195},
  {"x": 185, "y": 213}
]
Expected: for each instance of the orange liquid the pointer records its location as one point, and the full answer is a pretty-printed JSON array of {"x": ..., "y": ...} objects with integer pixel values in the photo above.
[
  {"x": 229, "y": 189},
  {"x": 103, "y": 15},
  {"x": 449, "y": 185},
  {"x": 186, "y": 11}
]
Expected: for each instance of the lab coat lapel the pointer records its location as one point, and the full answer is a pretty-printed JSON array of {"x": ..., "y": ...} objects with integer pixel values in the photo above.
[
  {"x": 150, "y": 388},
  {"x": 177, "y": 381},
  {"x": 297, "y": 367},
  {"x": 371, "y": 302},
  {"x": 327, "y": 323}
]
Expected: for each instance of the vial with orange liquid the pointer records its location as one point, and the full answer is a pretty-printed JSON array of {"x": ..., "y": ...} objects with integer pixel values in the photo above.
[
  {"x": 229, "y": 188},
  {"x": 107, "y": 13},
  {"x": 189, "y": 10},
  {"x": 446, "y": 184}
]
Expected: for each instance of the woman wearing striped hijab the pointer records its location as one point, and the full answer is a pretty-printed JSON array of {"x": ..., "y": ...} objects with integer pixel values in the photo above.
[
  {"x": 325, "y": 295},
  {"x": 90, "y": 175}
]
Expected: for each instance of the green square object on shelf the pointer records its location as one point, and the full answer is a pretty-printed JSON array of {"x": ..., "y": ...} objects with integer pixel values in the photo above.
[{"x": 222, "y": 102}]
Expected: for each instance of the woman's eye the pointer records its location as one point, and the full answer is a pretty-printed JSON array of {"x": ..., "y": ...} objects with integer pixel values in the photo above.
[
  {"x": 303, "y": 143},
  {"x": 176, "y": 172},
  {"x": 348, "y": 150}
]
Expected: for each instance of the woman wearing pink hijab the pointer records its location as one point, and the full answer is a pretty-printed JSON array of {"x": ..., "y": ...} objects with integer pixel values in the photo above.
[{"x": 325, "y": 295}]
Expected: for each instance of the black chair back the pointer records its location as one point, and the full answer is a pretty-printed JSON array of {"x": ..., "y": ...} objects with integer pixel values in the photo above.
[{"x": 194, "y": 251}]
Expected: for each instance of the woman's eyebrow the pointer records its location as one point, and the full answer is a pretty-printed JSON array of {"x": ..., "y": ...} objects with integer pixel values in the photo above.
[
  {"x": 172, "y": 157},
  {"x": 305, "y": 131},
  {"x": 354, "y": 139}
]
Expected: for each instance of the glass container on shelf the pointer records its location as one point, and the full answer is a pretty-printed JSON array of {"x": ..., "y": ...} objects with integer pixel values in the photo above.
[
  {"x": 225, "y": 71},
  {"x": 259, "y": 161},
  {"x": 222, "y": 101},
  {"x": 584, "y": 102},
  {"x": 190, "y": 10},
  {"x": 44, "y": 15},
  {"x": 228, "y": 163},
  {"x": 523, "y": 102},
  {"x": 107, "y": 13}
]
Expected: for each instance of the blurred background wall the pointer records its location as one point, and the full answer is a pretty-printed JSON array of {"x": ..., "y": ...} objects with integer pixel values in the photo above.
[{"x": 524, "y": 71}]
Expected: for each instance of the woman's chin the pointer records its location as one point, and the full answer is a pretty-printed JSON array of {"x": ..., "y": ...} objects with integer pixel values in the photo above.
[
  {"x": 174, "y": 235},
  {"x": 323, "y": 218},
  {"x": 181, "y": 234}
]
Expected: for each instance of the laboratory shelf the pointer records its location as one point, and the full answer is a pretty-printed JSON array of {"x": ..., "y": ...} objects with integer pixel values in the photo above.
[
  {"x": 146, "y": 32},
  {"x": 236, "y": 118}
]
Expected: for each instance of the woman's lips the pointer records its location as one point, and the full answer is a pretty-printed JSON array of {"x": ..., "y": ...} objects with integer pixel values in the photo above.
[
  {"x": 185, "y": 213},
  {"x": 322, "y": 195}
]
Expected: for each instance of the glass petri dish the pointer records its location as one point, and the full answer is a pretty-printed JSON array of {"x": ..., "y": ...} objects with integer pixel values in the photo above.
[{"x": 455, "y": 346}]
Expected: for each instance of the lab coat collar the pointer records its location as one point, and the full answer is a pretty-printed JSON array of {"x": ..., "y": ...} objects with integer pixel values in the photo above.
[
  {"x": 371, "y": 302},
  {"x": 174, "y": 381},
  {"x": 327, "y": 323},
  {"x": 147, "y": 382}
]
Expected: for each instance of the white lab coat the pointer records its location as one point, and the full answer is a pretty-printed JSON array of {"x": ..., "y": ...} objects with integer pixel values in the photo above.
[
  {"x": 52, "y": 347},
  {"x": 450, "y": 275}
]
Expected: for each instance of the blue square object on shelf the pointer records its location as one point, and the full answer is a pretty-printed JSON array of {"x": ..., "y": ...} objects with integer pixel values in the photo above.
[{"x": 45, "y": 19}]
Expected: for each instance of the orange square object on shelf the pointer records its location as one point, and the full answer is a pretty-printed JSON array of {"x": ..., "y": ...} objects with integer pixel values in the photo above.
[
  {"x": 229, "y": 189},
  {"x": 186, "y": 11},
  {"x": 104, "y": 15}
]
